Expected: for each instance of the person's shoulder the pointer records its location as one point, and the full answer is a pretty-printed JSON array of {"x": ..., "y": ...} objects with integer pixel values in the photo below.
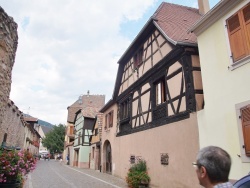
[{"x": 224, "y": 185}]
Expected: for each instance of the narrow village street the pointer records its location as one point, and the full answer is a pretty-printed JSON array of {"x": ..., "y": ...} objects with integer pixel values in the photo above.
[{"x": 53, "y": 174}]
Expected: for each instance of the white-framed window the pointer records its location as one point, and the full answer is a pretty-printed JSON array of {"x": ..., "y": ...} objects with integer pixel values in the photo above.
[
  {"x": 243, "y": 121},
  {"x": 238, "y": 30},
  {"x": 160, "y": 92}
]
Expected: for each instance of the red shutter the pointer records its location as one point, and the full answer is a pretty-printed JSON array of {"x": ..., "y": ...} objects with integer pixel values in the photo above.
[
  {"x": 236, "y": 37},
  {"x": 245, "y": 116}
]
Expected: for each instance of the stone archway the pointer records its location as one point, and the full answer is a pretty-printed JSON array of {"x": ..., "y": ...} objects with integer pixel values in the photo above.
[{"x": 107, "y": 156}]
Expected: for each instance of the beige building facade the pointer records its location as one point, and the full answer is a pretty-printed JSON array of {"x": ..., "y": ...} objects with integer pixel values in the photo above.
[{"x": 223, "y": 36}]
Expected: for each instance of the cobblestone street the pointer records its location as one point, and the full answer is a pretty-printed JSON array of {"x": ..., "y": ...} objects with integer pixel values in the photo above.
[{"x": 49, "y": 174}]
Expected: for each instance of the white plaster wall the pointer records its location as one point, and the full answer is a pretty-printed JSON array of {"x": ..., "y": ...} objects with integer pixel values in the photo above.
[{"x": 223, "y": 89}]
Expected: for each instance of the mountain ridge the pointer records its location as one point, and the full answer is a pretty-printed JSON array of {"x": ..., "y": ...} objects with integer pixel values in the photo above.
[{"x": 41, "y": 122}]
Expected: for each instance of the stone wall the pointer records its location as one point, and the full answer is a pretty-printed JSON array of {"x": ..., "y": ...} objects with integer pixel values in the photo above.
[
  {"x": 13, "y": 126},
  {"x": 8, "y": 47}
]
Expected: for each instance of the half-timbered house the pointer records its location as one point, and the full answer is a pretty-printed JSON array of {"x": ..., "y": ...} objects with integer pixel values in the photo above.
[
  {"x": 158, "y": 91},
  {"x": 82, "y": 116}
]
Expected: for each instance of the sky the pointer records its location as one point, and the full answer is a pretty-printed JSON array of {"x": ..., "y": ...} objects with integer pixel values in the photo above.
[{"x": 69, "y": 47}]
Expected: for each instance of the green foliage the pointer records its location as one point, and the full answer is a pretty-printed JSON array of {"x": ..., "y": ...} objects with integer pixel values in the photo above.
[
  {"x": 54, "y": 140},
  {"x": 137, "y": 174}
]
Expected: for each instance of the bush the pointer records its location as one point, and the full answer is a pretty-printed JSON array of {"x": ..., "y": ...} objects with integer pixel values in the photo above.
[{"x": 137, "y": 175}]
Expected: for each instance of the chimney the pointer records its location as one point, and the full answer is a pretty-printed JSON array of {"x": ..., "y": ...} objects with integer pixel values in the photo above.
[{"x": 203, "y": 6}]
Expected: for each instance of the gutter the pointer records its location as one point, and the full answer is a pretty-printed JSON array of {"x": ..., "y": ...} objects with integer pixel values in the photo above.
[
  {"x": 173, "y": 41},
  {"x": 212, "y": 15}
]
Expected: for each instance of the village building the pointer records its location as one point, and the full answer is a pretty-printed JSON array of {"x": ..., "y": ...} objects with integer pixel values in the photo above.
[
  {"x": 95, "y": 142},
  {"x": 80, "y": 122},
  {"x": 223, "y": 36},
  {"x": 32, "y": 137},
  {"x": 157, "y": 94}
]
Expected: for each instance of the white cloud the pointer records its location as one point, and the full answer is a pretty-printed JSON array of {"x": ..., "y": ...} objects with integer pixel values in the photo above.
[{"x": 66, "y": 48}]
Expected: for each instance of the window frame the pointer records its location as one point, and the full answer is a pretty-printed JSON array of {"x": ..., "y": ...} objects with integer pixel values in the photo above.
[
  {"x": 109, "y": 119},
  {"x": 138, "y": 58},
  {"x": 93, "y": 152},
  {"x": 245, "y": 59},
  {"x": 96, "y": 131},
  {"x": 160, "y": 85},
  {"x": 238, "y": 107},
  {"x": 79, "y": 138},
  {"x": 124, "y": 110}
]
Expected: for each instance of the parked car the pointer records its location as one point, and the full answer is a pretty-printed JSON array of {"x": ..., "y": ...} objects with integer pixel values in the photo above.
[{"x": 243, "y": 182}]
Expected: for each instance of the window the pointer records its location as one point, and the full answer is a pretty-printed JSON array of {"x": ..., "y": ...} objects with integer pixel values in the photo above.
[
  {"x": 238, "y": 27},
  {"x": 71, "y": 130},
  {"x": 79, "y": 138},
  {"x": 96, "y": 131},
  {"x": 245, "y": 120},
  {"x": 138, "y": 58},
  {"x": 109, "y": 120},
  {"x": 93, "y": 152},
  {"x": 160, "y": 92},
  {"x": 124, "y": 109}
]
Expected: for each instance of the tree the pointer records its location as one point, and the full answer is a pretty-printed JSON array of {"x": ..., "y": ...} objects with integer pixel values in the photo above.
[{"x": 54, "y": 140}]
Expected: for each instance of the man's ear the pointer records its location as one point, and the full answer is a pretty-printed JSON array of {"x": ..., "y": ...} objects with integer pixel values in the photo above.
[{"x": 203, "y": 171}]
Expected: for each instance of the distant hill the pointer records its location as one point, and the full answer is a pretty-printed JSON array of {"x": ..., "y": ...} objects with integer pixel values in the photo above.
[
  {"x": 41, "y": 122},
  {"x": 45, "y": 123}
]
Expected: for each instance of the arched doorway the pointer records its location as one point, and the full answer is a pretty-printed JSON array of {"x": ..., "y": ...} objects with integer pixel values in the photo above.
[{"x": 107, "y": 157}]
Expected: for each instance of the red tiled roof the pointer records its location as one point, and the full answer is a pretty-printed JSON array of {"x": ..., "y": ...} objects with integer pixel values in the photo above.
[
  {"x": 90, "y": 105},
  {"x": 72, "y": 112},
  {"x": 175, "y": 20},
  {"x": 90, "y": 112},
  {"x": 30, "y": 119}
]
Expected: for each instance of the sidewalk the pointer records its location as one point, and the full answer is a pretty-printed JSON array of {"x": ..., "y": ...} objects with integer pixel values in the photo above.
[{"x": 118, "y": 182}]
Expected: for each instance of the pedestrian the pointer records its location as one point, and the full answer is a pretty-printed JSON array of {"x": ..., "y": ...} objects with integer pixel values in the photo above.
[
  {"x": 67, "y": 159},
  {"x": 212, "y": 167}
]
